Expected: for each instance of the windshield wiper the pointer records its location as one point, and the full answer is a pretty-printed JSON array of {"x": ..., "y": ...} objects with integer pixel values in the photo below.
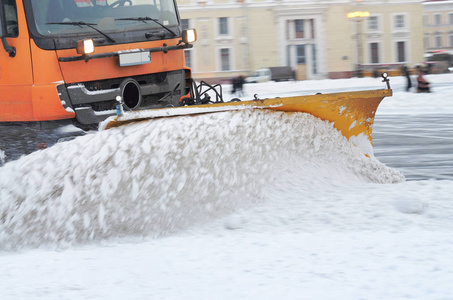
[
  {"x": 80, "y": 24},
  {"x": 144, "y": 19}
]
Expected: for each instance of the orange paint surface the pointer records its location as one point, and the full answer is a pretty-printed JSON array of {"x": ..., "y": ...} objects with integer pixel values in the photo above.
[
  {"x": 28, "y": 81},
  {"x": 102, "y": 68}
]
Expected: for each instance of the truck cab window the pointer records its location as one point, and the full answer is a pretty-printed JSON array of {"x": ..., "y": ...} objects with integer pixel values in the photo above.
[
  {"x": 53, "y": 17},
  {"x": 12, "y": 28}
]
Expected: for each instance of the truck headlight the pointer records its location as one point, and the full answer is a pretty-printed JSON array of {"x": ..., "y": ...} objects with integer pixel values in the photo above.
[
  {"x": 189, "y": 36},
  {"x": 85, "y": 46}
]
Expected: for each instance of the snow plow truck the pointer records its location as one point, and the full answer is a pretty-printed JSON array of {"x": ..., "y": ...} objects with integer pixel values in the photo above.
[{"x": 119, "y": 61}]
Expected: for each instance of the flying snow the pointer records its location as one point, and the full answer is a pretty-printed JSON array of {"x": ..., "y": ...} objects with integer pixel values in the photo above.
[{"x": 164, "y": 175}]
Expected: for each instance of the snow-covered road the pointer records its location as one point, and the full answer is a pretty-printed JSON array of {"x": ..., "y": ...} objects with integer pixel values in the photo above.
[{"x": 296, "y": 212}]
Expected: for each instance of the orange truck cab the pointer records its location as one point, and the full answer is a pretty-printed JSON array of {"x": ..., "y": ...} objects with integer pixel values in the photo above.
[{"x": 80, "y": 59}]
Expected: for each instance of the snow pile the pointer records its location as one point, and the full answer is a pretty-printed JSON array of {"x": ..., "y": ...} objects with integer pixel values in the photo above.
[{"x": 160, "y": 176}]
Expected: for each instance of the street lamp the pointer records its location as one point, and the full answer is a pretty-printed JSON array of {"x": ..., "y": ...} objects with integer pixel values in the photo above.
[{"x": 358, "y": 16}]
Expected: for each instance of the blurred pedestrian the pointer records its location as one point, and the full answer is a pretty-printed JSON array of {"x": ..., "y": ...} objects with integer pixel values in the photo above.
[
  {"x": 407, "y": 74},
  {"x": 422, "y": 84},
  {"x": 375, "y": 73},
  {"x": 238, "y": 85}
]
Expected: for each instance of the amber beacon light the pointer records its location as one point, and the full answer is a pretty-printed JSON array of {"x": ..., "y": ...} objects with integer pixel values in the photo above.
[
  {"x": 85, "y": 46},
  {"x": 189, "y": 36}
]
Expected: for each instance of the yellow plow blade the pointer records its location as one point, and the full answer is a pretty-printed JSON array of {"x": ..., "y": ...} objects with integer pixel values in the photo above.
[{"x": 352, "y": 113}]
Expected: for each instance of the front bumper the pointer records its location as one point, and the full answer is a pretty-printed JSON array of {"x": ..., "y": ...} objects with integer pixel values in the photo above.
[{"x": 94, "y": 101}]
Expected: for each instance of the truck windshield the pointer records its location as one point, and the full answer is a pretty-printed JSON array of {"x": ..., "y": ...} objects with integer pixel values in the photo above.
[{"x": 52, "y": 17}]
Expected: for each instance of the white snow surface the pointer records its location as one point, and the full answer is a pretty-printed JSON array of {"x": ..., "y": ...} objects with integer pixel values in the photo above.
[{"x": 248, "y": 204}]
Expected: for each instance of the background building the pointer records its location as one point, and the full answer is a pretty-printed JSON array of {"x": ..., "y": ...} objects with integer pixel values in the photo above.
[
  {"x": 314, "y": 37},
  {"x": 438, "y": 32}
]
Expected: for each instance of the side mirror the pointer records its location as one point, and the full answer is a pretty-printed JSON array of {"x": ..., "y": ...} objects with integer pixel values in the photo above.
[
  {"x": 11, "y": 50},
  {"x": 2, "y": 20}
]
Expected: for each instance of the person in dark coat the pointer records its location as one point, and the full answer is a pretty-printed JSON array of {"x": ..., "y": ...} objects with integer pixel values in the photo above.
[
  {"x": 407, "y": 74},
  {"x": 238, "y": 85}
]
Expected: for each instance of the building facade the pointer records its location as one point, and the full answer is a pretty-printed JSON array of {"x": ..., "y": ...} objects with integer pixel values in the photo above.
[
  {"x": 315, "y": 37},
  {"x": 438, "y": 32},
  {"x": 388, "y": 36},
  {"x": 438, "y": 25}
]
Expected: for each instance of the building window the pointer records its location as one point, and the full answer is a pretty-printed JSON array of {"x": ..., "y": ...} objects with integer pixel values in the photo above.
[
  {"x": 299, "y": 28},
  {"x": 427, "y": 45},
  {"x": 185, "y": 24},
  {"x": 450, "y": 18},
  {"x": 401, "y": 51},
  {"x": 312, "y": 26},
  {"x": 288, "y": 55},
  {"x": 315, "y": 64},
  {"x": 300, "y": 54},
  {"x": 450, "y": 38},
  {"x": 425, "y": 20},
  {"x": 438, "y": 39},
  {"x": 374, "y": 50},
  {"x": 400, "y": 22},
  {"x": 437, "y": 19},
  {"x": 373, "y": 24},
  {"x": 188, "y": 58},
  {"x": 225, "y": 59},
  {"x": 223, "y": 26}
]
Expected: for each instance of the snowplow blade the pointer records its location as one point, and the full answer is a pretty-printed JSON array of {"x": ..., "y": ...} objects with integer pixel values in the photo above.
[{"x": 352, "y": 113}]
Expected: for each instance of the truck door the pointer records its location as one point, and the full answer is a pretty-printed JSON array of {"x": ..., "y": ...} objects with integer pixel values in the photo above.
[{"x": 16, "y": 78}]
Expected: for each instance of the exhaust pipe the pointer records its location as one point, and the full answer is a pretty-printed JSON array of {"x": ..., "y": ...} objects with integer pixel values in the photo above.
[{"x": 131, "y": 93}]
